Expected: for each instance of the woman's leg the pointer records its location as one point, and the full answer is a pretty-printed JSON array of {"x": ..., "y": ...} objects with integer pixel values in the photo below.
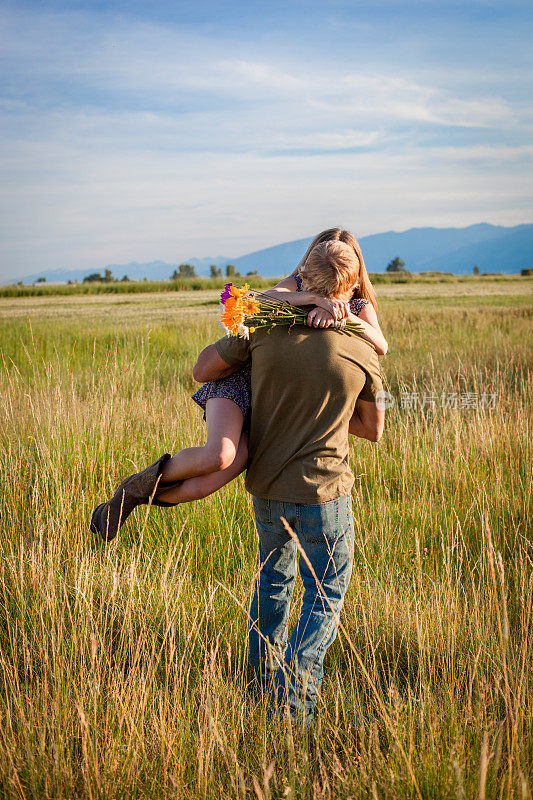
[
  {"x": 224, "y": 427},
  {"x": 203, "y": 485}
]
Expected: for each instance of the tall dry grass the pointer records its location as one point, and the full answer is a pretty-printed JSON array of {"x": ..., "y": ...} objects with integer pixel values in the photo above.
[{"x": 123, "y": 669}]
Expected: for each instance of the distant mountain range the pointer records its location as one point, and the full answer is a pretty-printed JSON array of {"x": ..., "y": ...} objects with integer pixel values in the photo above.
[
  {"x": 492, "y": 248},
  {"x": 152, "y": 270}
]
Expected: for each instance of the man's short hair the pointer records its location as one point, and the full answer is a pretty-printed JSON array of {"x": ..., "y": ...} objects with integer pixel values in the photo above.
[{"x": 331, "y": 269}]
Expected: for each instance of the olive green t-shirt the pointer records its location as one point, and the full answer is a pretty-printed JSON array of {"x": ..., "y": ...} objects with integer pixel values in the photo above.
[{"x": 305, "y": 382}]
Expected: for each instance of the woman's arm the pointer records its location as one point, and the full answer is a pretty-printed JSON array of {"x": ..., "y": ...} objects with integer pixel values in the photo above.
[
  {"x": 367, "y": 320},
  {"x": 371, "y": 330},
  {"x": 287, "y": 291}
]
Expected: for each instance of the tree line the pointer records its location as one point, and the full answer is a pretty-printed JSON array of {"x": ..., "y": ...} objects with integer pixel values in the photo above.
[
  {"x": 183, "y": 271},
  {"x": 187, "y": 271},
  {"x": 398, "y": 266}
]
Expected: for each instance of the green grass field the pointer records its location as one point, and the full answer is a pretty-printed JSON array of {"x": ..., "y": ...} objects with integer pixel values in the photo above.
[
  {"x": 124, "y": 668},
  {"x": 205, "y": 284}
]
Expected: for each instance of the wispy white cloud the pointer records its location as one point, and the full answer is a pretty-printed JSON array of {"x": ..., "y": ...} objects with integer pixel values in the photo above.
[{"x": 129, "y": 140}]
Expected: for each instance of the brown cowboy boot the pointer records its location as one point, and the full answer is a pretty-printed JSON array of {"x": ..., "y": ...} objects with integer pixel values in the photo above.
[{"x": 108, "y": 518}]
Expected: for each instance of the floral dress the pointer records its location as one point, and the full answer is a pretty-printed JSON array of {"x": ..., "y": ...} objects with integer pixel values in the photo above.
[{"x": 237, "y": 386}]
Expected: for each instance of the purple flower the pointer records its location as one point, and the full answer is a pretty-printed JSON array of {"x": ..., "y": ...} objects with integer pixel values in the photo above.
[{"x": 226, "y": 293}]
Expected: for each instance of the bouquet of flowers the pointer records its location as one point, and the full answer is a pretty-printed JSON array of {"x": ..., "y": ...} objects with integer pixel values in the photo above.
[{"x": 244, "y": 310}]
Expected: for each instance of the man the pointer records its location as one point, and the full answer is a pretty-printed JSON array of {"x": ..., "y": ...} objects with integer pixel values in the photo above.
[{"x": 305, "y": 384}]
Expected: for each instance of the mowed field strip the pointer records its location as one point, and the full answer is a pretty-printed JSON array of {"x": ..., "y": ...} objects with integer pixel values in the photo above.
[{"x": 166, "y": 305}]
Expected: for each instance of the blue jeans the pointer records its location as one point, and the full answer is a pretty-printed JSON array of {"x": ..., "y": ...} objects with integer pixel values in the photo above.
[{"x": 294, "y": 671}]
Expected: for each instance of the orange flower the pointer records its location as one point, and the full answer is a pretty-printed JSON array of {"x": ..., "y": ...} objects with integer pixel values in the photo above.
[
  {"x": 231, "y": 319},
  {"x": 250, "y": 305},
  {"x": 237, "y": 306},
  {"x": 235, "y": 291},
  {"x": 232, "y": 304}
]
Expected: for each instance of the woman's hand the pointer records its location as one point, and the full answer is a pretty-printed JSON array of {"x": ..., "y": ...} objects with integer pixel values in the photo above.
[
  {"x": 320, "y": 318},
  {"x": 339, "y": 309}
]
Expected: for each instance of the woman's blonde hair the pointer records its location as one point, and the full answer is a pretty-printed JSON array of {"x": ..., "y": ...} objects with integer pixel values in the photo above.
[{"x": 338, "y": 259}]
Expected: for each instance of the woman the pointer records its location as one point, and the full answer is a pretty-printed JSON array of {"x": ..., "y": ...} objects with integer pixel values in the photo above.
[{"x": 332, "y": 277}]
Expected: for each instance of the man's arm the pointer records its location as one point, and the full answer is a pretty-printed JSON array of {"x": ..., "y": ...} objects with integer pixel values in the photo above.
[
  {"x": 367, "y": 420},
  {"x": 210, "y": 366}
]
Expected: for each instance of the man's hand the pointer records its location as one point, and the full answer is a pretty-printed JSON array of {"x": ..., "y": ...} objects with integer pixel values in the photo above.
[
  {"x": 320, "y": 318},
  {"x": 339, "y": 309},
  {"x": 210, "y": 367},
  {"x": 367, "y": 421}
]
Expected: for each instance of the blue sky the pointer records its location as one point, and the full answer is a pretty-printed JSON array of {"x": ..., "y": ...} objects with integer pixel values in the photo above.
[{"x": 165, "y": 130}]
